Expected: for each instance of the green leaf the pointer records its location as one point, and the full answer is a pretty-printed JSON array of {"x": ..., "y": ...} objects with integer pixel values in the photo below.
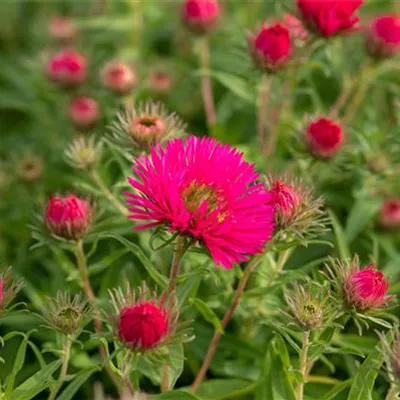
[
  {"x": 363, "y": 382},
  {"x": 208, "y": 314},
  {"x": 175, "y": 364},
  {"x": 157, "y": 277},
  {"x": 176, "y": 395},
  {"x": 360, "y": 215},
  {"x": 78, "y": 381},
  {"x": 341, "y": 242},
  {"x": 225, "y": 389},
  {"x": 331, "y": 395},
  {"x": 37, "y": 382}
]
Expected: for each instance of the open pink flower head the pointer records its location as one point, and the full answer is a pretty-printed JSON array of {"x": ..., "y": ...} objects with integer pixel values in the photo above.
[
  {"x": 68, "y": 217},
  {"x": 84, "y": 112},
  {"x": 67, "y": 68},
  {"x": 390, "y": 214},
  {"x": 271, "y": 46},
  {"x": 200, "y": 16},
  {"x": 366, "y": 288},
  {"x": 383, "y": 39},
  {"x": 329, "y": 17},
  {"x": 143, "y": 325},
  {"x": 324, "y": 137},
  {"x": 204, "y": 189}
]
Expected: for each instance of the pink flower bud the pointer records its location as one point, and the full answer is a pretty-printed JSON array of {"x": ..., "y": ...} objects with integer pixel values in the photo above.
[
  {"x": 143, "y": 325},
  {"x": 67, "y": 68},
  {"x": 84, "y": 112},
  {"x": 62, "y": 28},
  {"x": 271, "y": 47},
  {"x": 324, "y": 137},
  {"x": 366, "y": 288},
  {"x": 160, "y": 82},
  {"x": 200, "y": 16},
  {"x": 390, "y": 214},
  {"x": 285, "y": 199},
  {"x": 68, "y": 217},
  {"x": 383, "y": 40},
  {"x": 329, "y": 17},
  {"x": 295, "y": 27},
  {"x": 119, "y": 78}
]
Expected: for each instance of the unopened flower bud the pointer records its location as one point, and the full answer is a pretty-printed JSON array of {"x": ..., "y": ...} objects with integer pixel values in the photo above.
[
  {"x": 271, "y": 47},
  {"x": 62, "y": 29},
  {"x": 200, "y": 16},
  {"x": 84, "y": 112},
  {"x": 69, "y": 217},
  {"x": 119, "y": 78},
  {"x": 296, "y": 27},
  {"x": 324, "y": 137},
  {"x": 160, "y": 82},
  {"x": 383, "y": 37},
  {"x": 390, "y": 214},
  {"x": 83, "y": 153},
  {"x": 8, "y": 290},
  {"x": 30, "y": 168},
  {"x": 67, "y": 68},
  {"x": 285, "y": 198}
]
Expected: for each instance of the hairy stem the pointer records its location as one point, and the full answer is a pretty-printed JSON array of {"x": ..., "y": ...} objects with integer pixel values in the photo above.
[
  {"x": 224, "y": 323},
  {"x": 64, "y": 368},
  {"x": 165, "y": 379},
  {"x": 303, "y": 365},
  {"x": 206, "y": 85},
  {"x": 107, "y": 193},
  {"x": 87, "y": 288},
  {"x": 176, "y": 261},
  {"x": 263, "y": 97}
]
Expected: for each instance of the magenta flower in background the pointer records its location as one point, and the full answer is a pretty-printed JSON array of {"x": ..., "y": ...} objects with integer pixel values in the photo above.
[
  {"x": 84, "y": 112},
  {"x": 204, "y": 189},
  {"x": 200, "y": 16},
  {"x": 383, "y": 40},
  {"x": 390, "y": 214}
]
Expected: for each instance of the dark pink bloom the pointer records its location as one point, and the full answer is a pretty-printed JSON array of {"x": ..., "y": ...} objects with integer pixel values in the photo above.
[
  {"x": 62, "y": 28},
  {"x": 143, "y": 326},
  {"x": 206, "y": 190},
  {"x": 200, "y": 16},
  {"x": 68, "y": 217},
  {"x": 271, "y": 47},
  {"x": 285, "y": 199},
  {"x": 84, "y": 112},
  {"x": 324, "y": 137},
  {"x": 329, "y": 17},
  {"x": 119, "y": 77},
  {"x": 366, "y": 288},
  {"x": 295, "y": 27},
  {"x": 67, "y": 68},
  {"x": 390, "y": 214},
  {"x": 383, "y": 39}
]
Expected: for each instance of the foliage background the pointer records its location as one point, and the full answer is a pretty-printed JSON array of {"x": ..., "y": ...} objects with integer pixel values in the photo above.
[{"x": 148, "y": 33}]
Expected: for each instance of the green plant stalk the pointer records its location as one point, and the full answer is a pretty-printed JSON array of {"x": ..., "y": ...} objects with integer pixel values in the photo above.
[
  {"x": 87, "y": 288},
  {"x": 109, "y": 196},
  {"x": 393, "y": 392},
  {"x": 303, "y": 365},
  {"x": 64, "y": 368},
  {"x": 263, "y": 97},
  {"x": 176, "y": 261}
]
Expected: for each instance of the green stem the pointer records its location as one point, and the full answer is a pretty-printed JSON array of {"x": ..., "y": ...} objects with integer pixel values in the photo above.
[
  {"x": 303, "y": 365},
  {"x": 263, "y": 97},
  {"x": 64, "y": 368},
  {"x": 176, "y": 261},
  {"x": 393, "y": 393},
  {"x": 107, "y": 193}
]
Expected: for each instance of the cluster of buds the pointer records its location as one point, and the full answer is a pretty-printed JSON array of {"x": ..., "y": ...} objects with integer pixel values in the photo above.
[
  {"x": 324, "y": 137},
  {"x": 383, "y": 36},
  {"x": 8, "y": 291},
  {"x": 390, "y": 214},
  {"x": 84, "y": 112},
  {"x": 298, "y": 213},
  {"x": 68, "y": 218},
  {"x": 62, "y": 29},
  {"x": 145, "y": 125},
  {"x": 200, "y": 16},
  {"x": 67, "y": 315},
  {"x": 329, "y": 18},
  {"x": 143, "y": 321},
  {"x": 84, "y": 153},
  {"x": 118, "y": 77},
  {"x": 270, "y": 47}
]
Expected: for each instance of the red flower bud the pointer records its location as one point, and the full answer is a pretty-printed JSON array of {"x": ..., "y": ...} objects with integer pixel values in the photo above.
[
  {"x": 143, "y": 326},
  {"x": 383, "y": 40},
  {"x": 324, "y": 137},
  {"x": 200, "y": 16},
  {"x": 390, "y": 214},
  {"x": 67, "y": 68},
  {"x": 366, "y": 288},
  {"x": 84, "y": 112},
  {"x": 329, "y": 17},
  {"x": 119, "y": 77},
  {"x": 271, "y": 47},
  {"x": 295, "y": 27},
  {"x": 285, "y": 199},
  {"x": 62, "y": 28},
  {"x": 68, "y": 217}
]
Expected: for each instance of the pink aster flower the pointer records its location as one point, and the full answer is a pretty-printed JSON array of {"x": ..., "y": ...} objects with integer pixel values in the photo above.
[{"x": 206, "y": 190}]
